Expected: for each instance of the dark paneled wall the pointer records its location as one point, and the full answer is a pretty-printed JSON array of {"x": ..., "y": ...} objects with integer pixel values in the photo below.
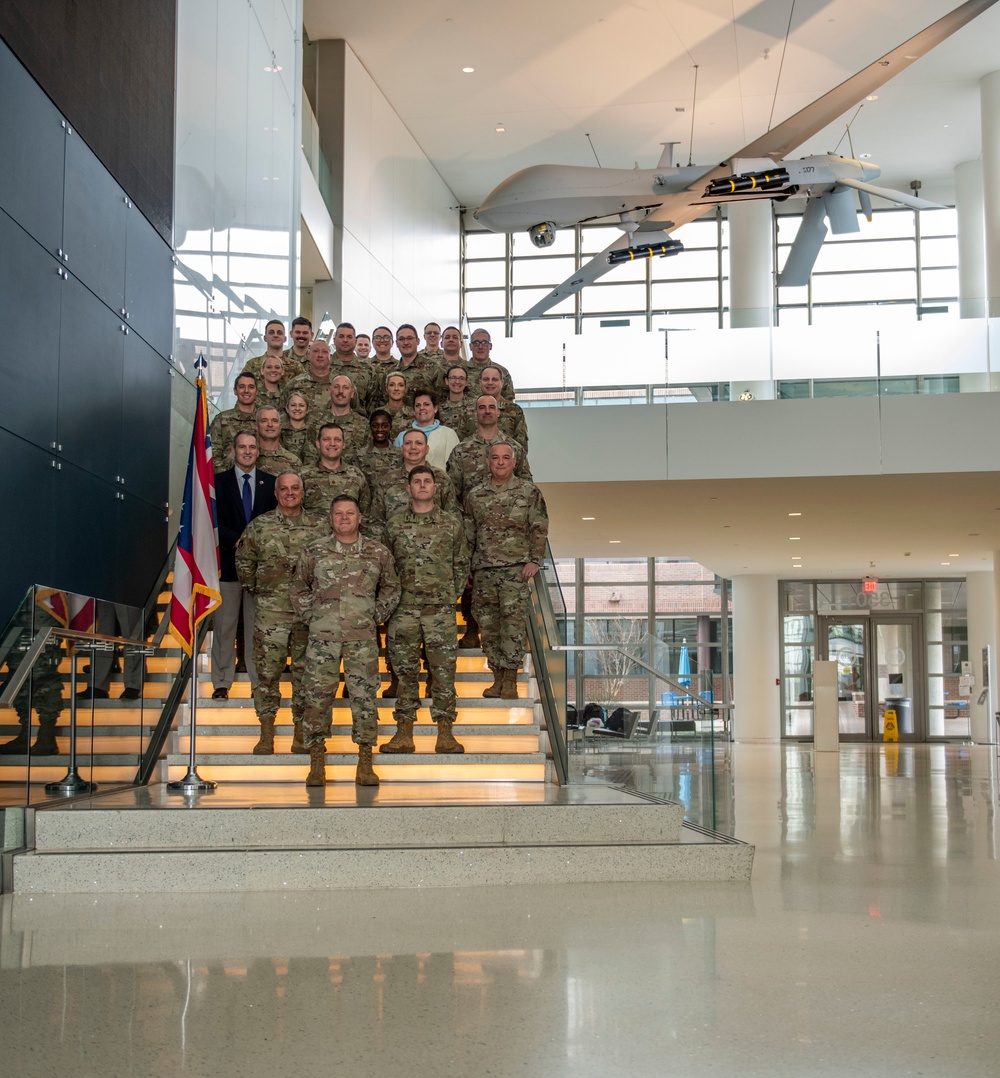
[
  {"x": 108, "y": 66},
  {"x": 86, "y": 300}
]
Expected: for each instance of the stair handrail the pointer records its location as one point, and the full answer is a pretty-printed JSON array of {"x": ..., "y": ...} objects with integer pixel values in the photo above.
[{"x": 549, "y": 667}]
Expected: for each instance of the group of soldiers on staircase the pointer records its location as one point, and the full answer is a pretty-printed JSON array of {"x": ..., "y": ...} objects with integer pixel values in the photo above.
[{"x": 363, "y": 509}]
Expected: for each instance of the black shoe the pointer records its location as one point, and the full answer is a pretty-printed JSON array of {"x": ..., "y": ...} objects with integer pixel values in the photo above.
[
  {"x": 130, "y": 694},
  {"x": 241, "y": 666},
  {"x": 220, "y": 694},
  {"x": 96, "y": 694}
]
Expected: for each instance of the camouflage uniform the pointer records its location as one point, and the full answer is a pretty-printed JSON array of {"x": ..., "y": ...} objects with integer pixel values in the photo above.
[
  {"x": 472, "y": 369},
  {"x": 266, "y": 556},
  {"x": 315, "y": 390},
  {"x": 432, "y": 559},
  {"x": 381, "y": 465},
  {"x": 276, "y": 461},
  {"x": 323, "y": 485},
  {"x": 343, "y": 592},
  {"x": 266, "y": 399},
  {"x": 436, "y": 354},
  {"x": 223, "y": 431},
  {"x": 362, "y": 378},
  {"x": 511, "y": 422},
  {"x": 381, "y": 369},
  {"x": 422, "y": 374},
  {"x": 468, "y": 465},
  {"x": 42, "y": 692},
  {"x": 460, "y": 416},
  {"x": 401, "y": 420},
  {"x": 391, "y": 496},
  {"x": 506, "y": 527},
  {"x": 291, "y": 367},
  {"x": 299, "y": 364},
  {"x": 357, "y": 435},
  {"x": 297, "y": 442}
]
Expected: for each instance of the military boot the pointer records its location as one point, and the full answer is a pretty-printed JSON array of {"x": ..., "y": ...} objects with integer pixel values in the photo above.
[
  {"x": 509, "y": 688},
  {"x": 45, "y": 743},
  {"x": 496, "y": 689},
  {"x": 365, "y": 776},
  {"x": 391, "y": 691},
  {"x": 445, "y": 740},
  {"x": 19, "y": 745},
  {"x": 265, "y": 746},
  {"x": 402, "y": 739},
  {"x": 470, "y": 638},
  {"x": 317, "y": 765},
  {"x": 297, "y": 745}
]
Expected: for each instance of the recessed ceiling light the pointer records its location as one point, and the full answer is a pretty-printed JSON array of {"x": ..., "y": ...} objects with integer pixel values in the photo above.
[
  {"x": 954, "y": 555},
  {"x": 614, "y": 540},
  {"x": 794, "y": 538},
  {"x": 864, "y": 156},
  {"x": 467, "y": 70},
  {"x": 588, "y": 518},
  {"x": 872, "y": 97},
  {"x": 795, "y": 514},
  {"x": 946, "y": 563},
  {"x": 500, "y": 129}
]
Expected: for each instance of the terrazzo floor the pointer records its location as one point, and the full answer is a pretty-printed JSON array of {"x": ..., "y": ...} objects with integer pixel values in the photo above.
[{"x": 867, "y": 943}]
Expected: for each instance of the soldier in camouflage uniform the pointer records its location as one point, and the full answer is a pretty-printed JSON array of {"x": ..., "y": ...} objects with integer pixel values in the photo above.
[
  {"x": 273, "y": 458},
  {"x": 481, "y": 346},
  {"x": 468, "y": 463},
  {"x": 274, "y": 337},
  {"x": 400, "y": 413},
  {"x": 511, "y": 420},
  {"x": 360, "y": 373},
  {"x": 458, "y": 409},
  {"x": 314, "y": 384},
  {"x": 432, "y": 343},
  {"x": 507, "y": 525},
  {"x": 344, "y": 585},
  {"x": 419, "y": 371},
  {"x": 393, "y": 495},
  {"x": 266, "y": 556},
  {"x": 295, "y": 428},
  {"x": 432, "y": 559},
  {"x": 42, "y": 692},
  {"x": 382, "y": 363},
  {"x": 239, "y": 420},
  {"x": 384, "y": 458},
  {"x": 330, "y": 476},
  {"x": 302, "y": 335},
  {"x": 339, "y": 410}
]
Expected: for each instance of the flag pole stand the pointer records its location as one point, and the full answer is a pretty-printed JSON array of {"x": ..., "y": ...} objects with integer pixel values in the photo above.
[{"x": 192, "y": 781}]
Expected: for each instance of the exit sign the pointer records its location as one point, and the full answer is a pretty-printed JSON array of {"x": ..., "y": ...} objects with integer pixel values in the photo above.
[{"x": 869, "y": 586}]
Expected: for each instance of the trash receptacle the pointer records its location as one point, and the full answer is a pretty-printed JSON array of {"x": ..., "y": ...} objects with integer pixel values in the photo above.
[{"x": 903, "y": 706}]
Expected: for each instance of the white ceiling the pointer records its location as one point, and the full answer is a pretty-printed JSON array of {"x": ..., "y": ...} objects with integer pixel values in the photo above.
[
  {"x": 851, "y": 526},
  {"x": 555, "y": 70}
]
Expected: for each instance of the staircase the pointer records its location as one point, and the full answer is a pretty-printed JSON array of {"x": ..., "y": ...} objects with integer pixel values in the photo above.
[{"x": 502, "y": 738}]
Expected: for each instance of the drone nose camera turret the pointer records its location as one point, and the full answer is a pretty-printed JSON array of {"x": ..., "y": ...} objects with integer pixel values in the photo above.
[{"x": 543, "y": 235}]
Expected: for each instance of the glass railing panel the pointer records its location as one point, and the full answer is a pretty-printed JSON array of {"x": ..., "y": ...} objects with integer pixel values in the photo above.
[
  {"x": 645, "y": 714},
  {"x": 76, "y": 722}
]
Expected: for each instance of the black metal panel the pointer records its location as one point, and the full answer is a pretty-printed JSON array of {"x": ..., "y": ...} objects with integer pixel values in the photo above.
[
  {"x": 26, "y": 525},
  {"x": 145, "y": 462},
  {"x": 94, "y": 225},
  {"x": 30, "y": 297},
  {"x": 91, "y": 353},
  {"x": 32, "y": 146},
  {"x": 142, "y": 548},
  {"x": 84, "y": 529},
  {"x": 109, "y": 68},
  {"x": 149, "y": 283}
]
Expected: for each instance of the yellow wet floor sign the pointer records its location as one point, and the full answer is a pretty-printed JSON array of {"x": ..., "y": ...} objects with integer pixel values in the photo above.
[{"x": 890, "y": 731}]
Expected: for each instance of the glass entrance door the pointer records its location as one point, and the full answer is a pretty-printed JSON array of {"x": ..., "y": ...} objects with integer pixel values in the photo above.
[{"x": 879, "y": 667}]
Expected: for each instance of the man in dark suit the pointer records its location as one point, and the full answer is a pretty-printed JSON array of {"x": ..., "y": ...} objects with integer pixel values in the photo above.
[{"x": 241, "y": 494}]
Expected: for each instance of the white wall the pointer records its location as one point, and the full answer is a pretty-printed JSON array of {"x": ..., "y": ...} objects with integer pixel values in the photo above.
[{"x": 400, "y": 256}]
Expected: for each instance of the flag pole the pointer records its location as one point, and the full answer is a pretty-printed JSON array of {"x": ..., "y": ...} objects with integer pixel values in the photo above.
[{"x": 196, "y": 568}]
